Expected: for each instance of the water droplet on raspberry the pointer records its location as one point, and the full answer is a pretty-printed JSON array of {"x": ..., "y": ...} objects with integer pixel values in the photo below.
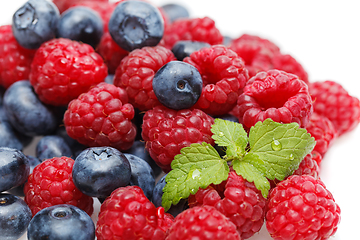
[{"x": 276, "y": 145}]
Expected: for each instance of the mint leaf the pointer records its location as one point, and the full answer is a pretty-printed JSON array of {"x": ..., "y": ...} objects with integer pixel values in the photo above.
[
  {"x": 280, "y": 146},
  {"x": 230, "y": 135},
  {"x": 195, "y": 167}
]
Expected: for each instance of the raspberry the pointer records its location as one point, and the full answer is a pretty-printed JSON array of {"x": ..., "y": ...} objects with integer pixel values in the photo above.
[
  {"x": 309, "y": 166},
  {"x": 202, "y": 223},
  {"x": 128, "y": 214},
  {"x": 322, "y": 129},
  {"x": 166, "y": 131},
  {"x": 195, "y": 29},
  {"x": 238, "y": 200},
  {"x": 224, "y": 77},
  {"x": 51, "y": 184},
  {"x": 274, "y": 94},
  {"x": 301, "y": 207},
  {"x": 110, "y": 52},
  {"x": 63, "y": 5},
  {"x": 136, "y": 72},
  {"x": 287, "y": 63},
  {"x": 62, "y": 69},
  {"x": 101, "y": 117},
  {"x": 334, "y": 102},
  {"x": 15, "y": 60}
]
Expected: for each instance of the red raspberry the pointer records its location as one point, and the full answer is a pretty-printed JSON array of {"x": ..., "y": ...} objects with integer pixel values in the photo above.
[
  {"x": 309, "y": 166},
  {"x": 101, "y": 117},
  {"x": 166, "y": 131},
  {"x": 110, "y": 52},
  {"x": 274, "y": 94},
  {"x": 287, "y": 63},
  {"x": 15, "y": 60},
  {"x": 128, "y": 214},
  {"x": 301, "y": 207},
  {"x": 334, "y": 102},
  {"x": 317, "y": 157},
  {"x": 202, "y": 223},
  {"x": 224, "y": 77},
  {"x": 65, "y": 4},
  {"x": 195, "y": 29},
  {"x": 51, "y": 183},
  {"x": 136, "y": 72},
  {"x": 238, "y": 200},
  {"x": 324, "y": 132},
  {"x": 62, "y": 69}
]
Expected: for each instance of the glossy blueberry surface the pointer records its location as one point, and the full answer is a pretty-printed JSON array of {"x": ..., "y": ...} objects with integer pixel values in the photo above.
[
  {"x": 26, "y": 113},
  {"x": 52, "y": 146},
  {"x": 177, "y": 85},
  {"x": 136, "y": 24},
  {"x": 175, "y": 11},
  {"x": 61, "y": 222},
  {"x": 35, "y": 23},
  {"x": 14, "y": 168},
  {"x": 98, "y": 171},
  {"x": 185, "y": 48},
  {"x": 15, "y": 216},
  {"x": 81, "y": 24}
]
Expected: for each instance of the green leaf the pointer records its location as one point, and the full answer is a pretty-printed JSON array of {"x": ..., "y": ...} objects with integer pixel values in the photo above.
[
  {"x": 195, "y": 167},
  {"x": 280, "y": 146},
  {"x": 251, "y": 173},
  {"x": 230, "y": 135}
]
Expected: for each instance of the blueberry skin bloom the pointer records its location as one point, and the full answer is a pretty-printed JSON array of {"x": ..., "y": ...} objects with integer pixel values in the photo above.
[
  {"x": 15, "y": 217},
  {"x": 177, "y": 85},
  {"x": 98, "y": 171},
  {"x": 80, "y": 24},
  {"x": 136, "y": 24},
  {"x": 185, "y": 48},
  {"x": 14, "y": 168},
  {"x": 26, "y": 113},
  {"x": 52, "y": 146},
  {"x": 62, "y": 221},
  {"x": 35, "y": 23}
]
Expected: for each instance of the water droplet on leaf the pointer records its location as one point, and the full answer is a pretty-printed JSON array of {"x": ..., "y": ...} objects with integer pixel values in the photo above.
[
  {"x": 195, "y": 174},
  {"x": 221, "y": 134},
  {"x": 276, "y": 145},
  {"x": 291, "y": 157}
]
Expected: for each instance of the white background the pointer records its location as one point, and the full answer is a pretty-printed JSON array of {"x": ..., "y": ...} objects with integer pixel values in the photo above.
[{"x": 324, "y": 37}]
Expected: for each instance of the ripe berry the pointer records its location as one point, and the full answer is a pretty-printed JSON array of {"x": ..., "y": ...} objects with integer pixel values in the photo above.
[
  {"x": 185, "y": 48},
  {"x": 136, "y": 24},
  {"x": 101, "y": 117},
  {"x": 15, "y": 216},
  {"x": 174, "y": 11},
  {"x": 63, "y": 5},
  {"x": 82, "y": 24},
  {"x": 35, "y": 23},
  {"x": 62, "y": 221},
  {"x": 177, "y": 85},
  {"x": 52, "y": 146},
  {"x": 51, "y": 184},
  {"x": 301, "y": 207},
  {"x": 203, "y": 223}
]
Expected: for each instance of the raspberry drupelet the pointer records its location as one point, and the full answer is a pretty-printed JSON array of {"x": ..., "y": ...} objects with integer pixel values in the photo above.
[{"x": 101, "y": 117}]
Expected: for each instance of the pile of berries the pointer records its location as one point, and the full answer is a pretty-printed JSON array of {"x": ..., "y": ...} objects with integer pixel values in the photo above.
[{"x": 114, "y": 90}]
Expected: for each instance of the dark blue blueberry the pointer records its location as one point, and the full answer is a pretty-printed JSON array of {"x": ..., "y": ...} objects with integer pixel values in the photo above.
[
  {"x": 75, "y": 146},
  {"x": 27, "y": 114},
  {"x": 175, "y": 11},
  {"x": 141, "y": 174},
  {"x": 136, "y": 24},
  {"x": 110, "y": 79},
  {"x": 14, "y": 168},
  {"x": 138, "y": 149},
  {"x": 98, "y": 171},
  {"x": 177, "y": 85},
  {"x": 15, "y": 217},
  {"x": 185, "y": 48},
  {"x": 62, "y": 221},
  {"x": 35, "y": 23},
  {"x": 52, "y": 146},
  {"x": 157, "y": 195},
  {"x": 81, "y": 24},
  {"x": 227, "y": 40}
]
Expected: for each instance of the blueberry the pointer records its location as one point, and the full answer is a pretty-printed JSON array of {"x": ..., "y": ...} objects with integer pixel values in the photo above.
[
  {"x": 136, "y": 24},
  {"x": 15, "y": 217},
  {"x": 62, "y": 221},
  {"x": 81, "y": 24},
  {"x": 98, "y": 171},
  {"x": 157, "y": 195},
  {"x": 177, "y": 85},
  {"x": 27, "y": 114},
  {"x": 35, "y": 23},
  {"x": 141, "y": 174},
  {"x": 185, "y": 48},
  {"x": 52, "y": 146},
  {"x": 110, "y": 79},
  {"x": 175, "y": 11},
  {"x": 75, "y": 146},
  {"x": 14, "y": 168}
]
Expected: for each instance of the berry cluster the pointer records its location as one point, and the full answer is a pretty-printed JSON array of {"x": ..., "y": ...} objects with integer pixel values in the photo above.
[{"x": 176, "y": 130}]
